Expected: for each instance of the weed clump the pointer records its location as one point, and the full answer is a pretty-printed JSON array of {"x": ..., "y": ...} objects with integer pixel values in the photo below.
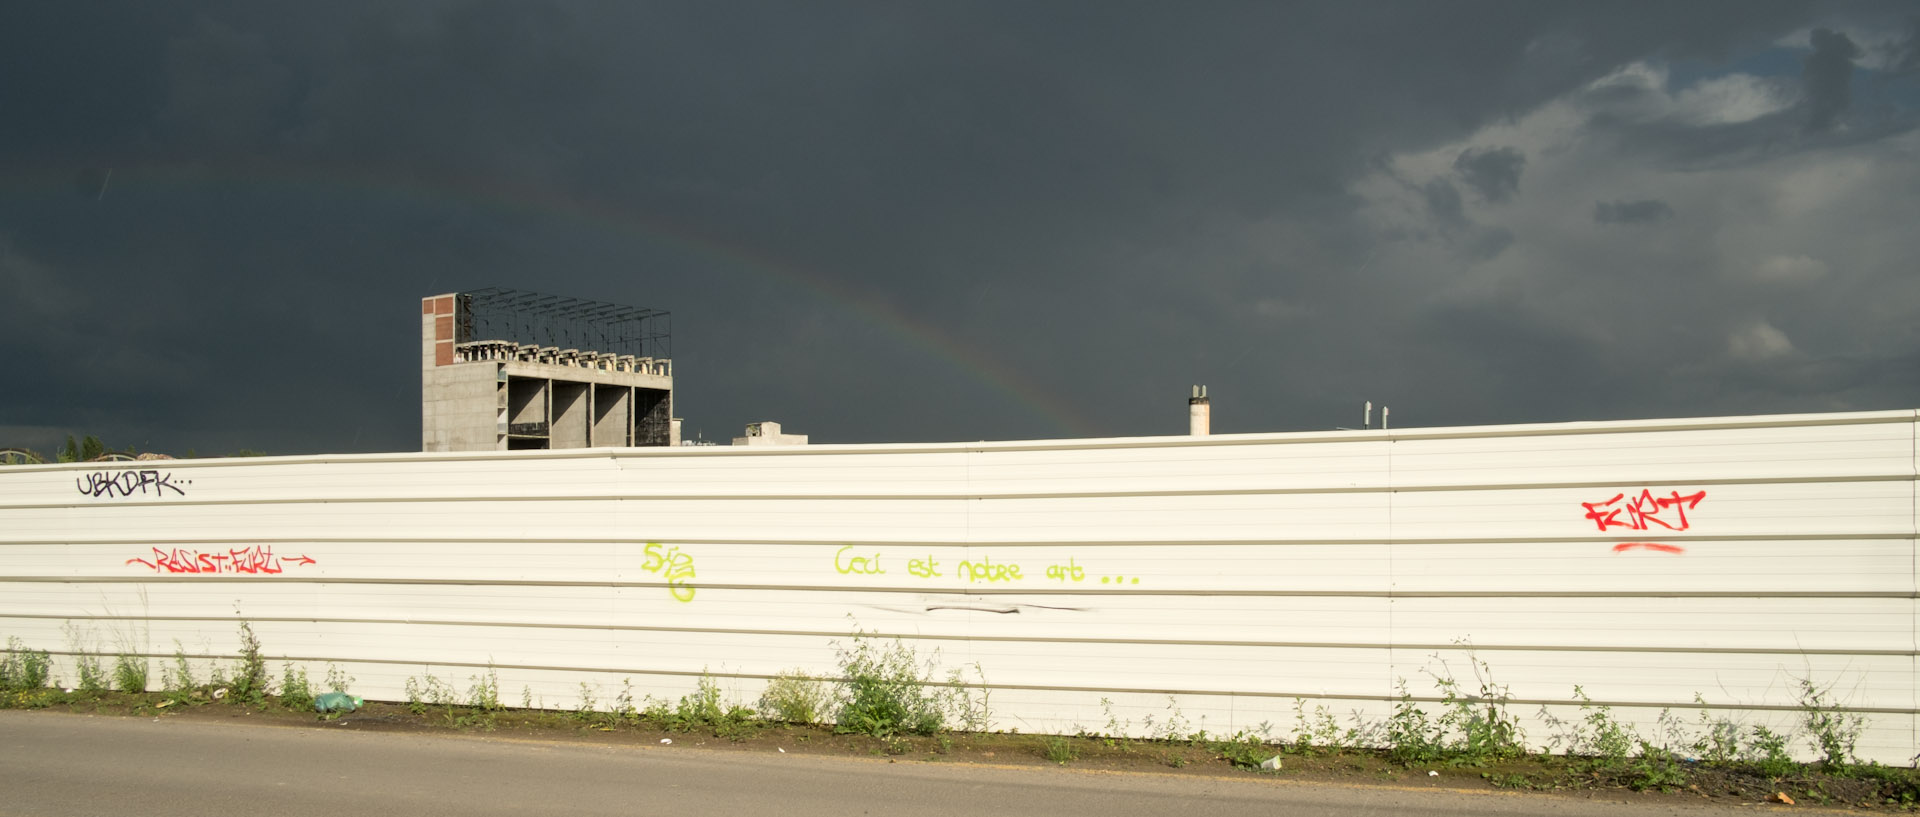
[
  {"x": 296, "y": 692},
  {"x": 1831, "y": 732},
  {"x": 130, "y": 673},
  {"x": 1479, "y": 726},
  {"x": 704, "y": 710},
  {"x": 482, "y": 703},
  {"x": 1246, "y": 749},
  {"x": 796, "y": 697},
  {"x": 1412, "y": 737},
  {"x": 1596, "y": 735},
  {"x": 623, "y": 709},
  {"x": 1766, "y": 752},
  {"x": 1319, "y": 732},
  {"x": 338, "y": 680},
  {"x": 1059, "y": 749},
  {"x": 484, "y": 694},
  {"x": 178, "y": 680},
  {"x": 886, "y": 691},
  {"x": 23, "y": 669},
  {"x": 1472, "y": 729},
  {"x": 250, "y": 681},
  {"x": 90, "y": 678},
  {"x": 422, "y": 696}
]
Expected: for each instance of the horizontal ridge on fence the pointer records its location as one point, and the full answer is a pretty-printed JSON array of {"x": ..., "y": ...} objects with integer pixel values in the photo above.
[
  {"x": 1365, "y": 594},
  {"x": 965, "y": 543},
  {"x": 959, "y": 495},
  {"x": 1172, "y": 642}
]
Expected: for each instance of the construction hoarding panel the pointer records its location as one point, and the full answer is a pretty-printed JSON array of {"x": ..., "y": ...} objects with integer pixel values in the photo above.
[{"x": 1091, "y": 584}]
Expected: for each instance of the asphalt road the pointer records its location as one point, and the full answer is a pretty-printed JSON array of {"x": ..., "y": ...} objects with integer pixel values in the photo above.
[{"x": 64, "y": 764}]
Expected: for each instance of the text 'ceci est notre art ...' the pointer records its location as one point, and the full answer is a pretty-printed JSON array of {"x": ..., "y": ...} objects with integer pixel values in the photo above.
[{"x": 851, "y": 560}]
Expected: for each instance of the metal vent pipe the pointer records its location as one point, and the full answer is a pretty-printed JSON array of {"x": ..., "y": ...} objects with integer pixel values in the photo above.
[{"x": 1199, "y": 413}]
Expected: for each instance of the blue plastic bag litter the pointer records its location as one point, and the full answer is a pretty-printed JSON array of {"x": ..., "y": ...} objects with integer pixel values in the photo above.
[{"x": 337, "y": 702}]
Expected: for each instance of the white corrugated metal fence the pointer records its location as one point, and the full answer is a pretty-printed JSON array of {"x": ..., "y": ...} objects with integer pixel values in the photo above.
[{"x": 1090, "y": 582}]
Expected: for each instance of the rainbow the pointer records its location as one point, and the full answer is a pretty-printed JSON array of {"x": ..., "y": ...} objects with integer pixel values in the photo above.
[{"x": 608, "y": 218}]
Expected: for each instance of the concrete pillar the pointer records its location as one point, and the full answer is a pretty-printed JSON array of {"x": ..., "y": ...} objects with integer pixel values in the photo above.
[
  {"x": 569, "y": 426},
  {"x": 612, "y": 416}
]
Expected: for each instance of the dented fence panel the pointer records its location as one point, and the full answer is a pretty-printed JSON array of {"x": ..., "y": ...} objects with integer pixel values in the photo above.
[{"x": 1090, "y": 583}]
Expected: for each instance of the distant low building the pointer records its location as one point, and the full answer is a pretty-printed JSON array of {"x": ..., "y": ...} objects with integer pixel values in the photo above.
[{"x": 768, "y": 433}]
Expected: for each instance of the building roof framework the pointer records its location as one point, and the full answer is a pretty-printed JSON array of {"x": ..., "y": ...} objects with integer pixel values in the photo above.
[{"x": 497, "y": 313}]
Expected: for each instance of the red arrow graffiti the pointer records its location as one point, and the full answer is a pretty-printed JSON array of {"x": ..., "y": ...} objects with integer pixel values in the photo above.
[{"x": 255, "y": 559}]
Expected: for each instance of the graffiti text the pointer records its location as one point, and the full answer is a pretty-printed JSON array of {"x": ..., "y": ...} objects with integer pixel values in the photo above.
[
  {"x": 869, "y": 565},
  {"x": 675, "y": 565},
  {"x": 986, "y": 571},
  {"x": 869, "y": 560},
  {"x": 128, "y": 483},
  {"x": 257, "y": 559},
  {"x": 1644, "y": 511},
  {"x": 924, "y": 568},
  {"x": 1066, "y": 571}
]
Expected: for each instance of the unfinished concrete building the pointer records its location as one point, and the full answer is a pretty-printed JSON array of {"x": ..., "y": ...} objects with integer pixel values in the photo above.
[{"x": 503, "y": 369}]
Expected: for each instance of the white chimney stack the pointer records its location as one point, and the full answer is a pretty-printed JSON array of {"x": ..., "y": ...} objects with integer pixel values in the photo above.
[{"x": 1199, "y": 413}]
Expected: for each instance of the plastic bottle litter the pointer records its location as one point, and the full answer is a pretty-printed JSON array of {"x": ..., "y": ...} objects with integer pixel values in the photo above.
[{"x": 337, "y": 702}]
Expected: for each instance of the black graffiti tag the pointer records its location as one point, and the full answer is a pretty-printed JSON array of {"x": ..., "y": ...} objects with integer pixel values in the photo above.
[{"x": 128, "y": 483}]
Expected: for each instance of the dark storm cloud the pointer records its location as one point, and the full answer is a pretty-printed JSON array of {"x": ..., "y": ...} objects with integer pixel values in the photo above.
[
  {"x": 1644, "y": 211},
  {"x": 1800, "y": 377},
  {"x": 1472, "y": 344},
  {"x": 1446, "y": 211},
  {"x": 1489, "y": 242},
  {"x": 1906, "y": 54},
  {"x": 1494, "y": 173},
  {"x": 225, "y": 91},
  {"x": 895, "y": 221},
  {"x": 1828, "y": 78},
  {"x": 1444, "y": 205},
  {"x": 1809, "y": 124}
]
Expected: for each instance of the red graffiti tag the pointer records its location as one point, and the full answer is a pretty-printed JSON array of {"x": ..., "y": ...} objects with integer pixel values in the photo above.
[
  {"x": 258, "y": 559},
  {"x": 1644, "y": 511}
]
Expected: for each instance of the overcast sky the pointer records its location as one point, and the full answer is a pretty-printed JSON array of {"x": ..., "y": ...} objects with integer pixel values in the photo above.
[{"x": 899, "y": 221}]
